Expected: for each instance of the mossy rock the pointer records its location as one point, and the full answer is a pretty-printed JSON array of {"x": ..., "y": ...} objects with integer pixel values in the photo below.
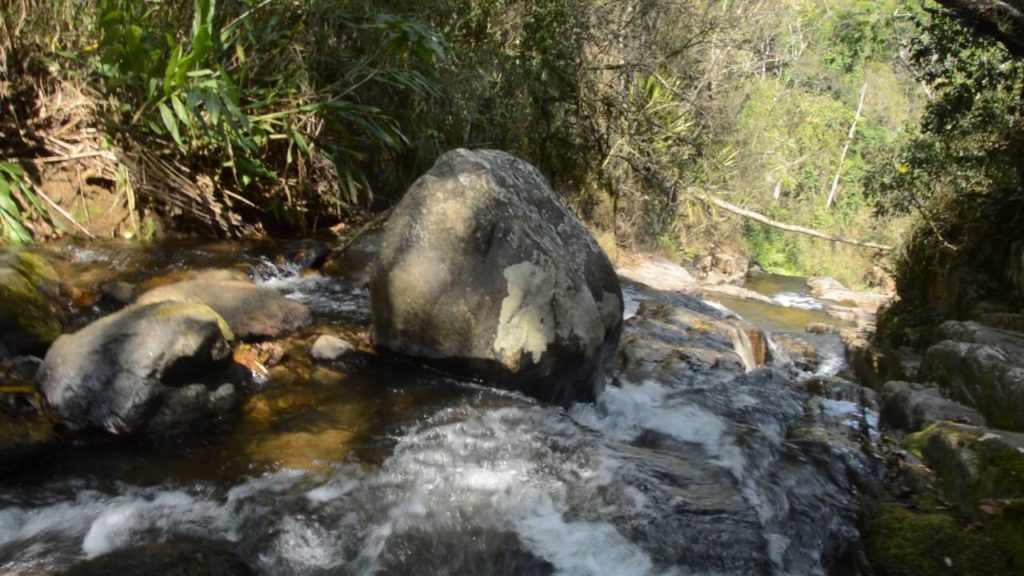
[
  {"x": 902, "y": 542},
  {"x": 981, "y": 472},
  {"x": 31, "y": 311}
]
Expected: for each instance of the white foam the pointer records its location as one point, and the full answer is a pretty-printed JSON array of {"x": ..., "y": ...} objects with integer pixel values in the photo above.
[
  {"x": 305, "y": 545},
  {"x": 795, "y": 300},
  {"x": 624, "y": 412},
  {"x": 582, "y": 548},
  {"x": 630, "y": 303},
  {"x": 332, "y": 490}
]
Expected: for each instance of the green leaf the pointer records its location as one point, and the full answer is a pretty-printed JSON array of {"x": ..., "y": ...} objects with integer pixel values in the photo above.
[
  {"x": 300, "y": 141},
  {"x": 14, "y": 230},
  {"x": 170, "y": 123},
  {"x": 181, "y": 112},
  {"x": 7, "y": 203},
  {"x": 15, "y": 170}
]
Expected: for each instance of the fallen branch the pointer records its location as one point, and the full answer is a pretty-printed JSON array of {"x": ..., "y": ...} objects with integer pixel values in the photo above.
[
  {"x": 650, "y": 175},
  {"x": 787, "y": 227}
]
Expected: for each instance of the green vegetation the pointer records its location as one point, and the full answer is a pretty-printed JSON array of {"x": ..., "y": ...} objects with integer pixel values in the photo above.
[
  {"x": 962, "y": 178},
  {"x": 853, "y": 117},
  {"x": 904, "y": 542}
]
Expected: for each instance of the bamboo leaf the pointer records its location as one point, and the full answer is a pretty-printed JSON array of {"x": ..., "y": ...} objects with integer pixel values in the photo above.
[
  {"x": 181, "y": 112},
  {"x": 170, "y": 123}
]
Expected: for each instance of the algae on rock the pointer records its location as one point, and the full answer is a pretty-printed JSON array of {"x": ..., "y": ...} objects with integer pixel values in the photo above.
[{"x": 31, "y": 313}]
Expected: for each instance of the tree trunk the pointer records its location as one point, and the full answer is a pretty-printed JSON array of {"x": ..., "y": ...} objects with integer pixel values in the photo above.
[{"x": 846, "y": 147}]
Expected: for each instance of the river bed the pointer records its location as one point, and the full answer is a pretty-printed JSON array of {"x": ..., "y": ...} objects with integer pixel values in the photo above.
[{"x": 383, "y": 468}]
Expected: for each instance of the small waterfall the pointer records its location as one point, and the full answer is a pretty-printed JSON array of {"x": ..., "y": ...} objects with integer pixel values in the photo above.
[
  {"x": 776, "y": 354},
  {"x": 753, "y": 356}
]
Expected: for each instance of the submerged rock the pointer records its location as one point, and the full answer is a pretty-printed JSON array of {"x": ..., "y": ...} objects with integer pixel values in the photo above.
[
  {"x": 252, "y": 312},
  {"x": 483, "y": 270},
  {"x": 328, "y": 347},
  {"x": 31, "y": 310},
  {"x": 25, "y": 424},
  {"x": 175, "y": 558},
  {"x": 770, "y": 467},
  {"x": 119, "y": 371}
]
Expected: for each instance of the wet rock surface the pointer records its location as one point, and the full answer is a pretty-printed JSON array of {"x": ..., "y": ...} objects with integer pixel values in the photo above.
[
  {"x": 26, "y": 426},
  {"x": 252, "y": 312},
  {"x": 117, "y": 372},
  {"x": 482, "y": 268},
  {"x": 177, "y": 558},
  {"x": 680, "y": 384},
  {"x": 707, "y": 454}
]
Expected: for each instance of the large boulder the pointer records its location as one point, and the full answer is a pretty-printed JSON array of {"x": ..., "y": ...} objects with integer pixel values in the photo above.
[
  {"x": 31, "y": 309},
  {"x": 985, "y": 376},
  {"x": 253, "y": 312},
  {"x": 135, "y": 369},
  {"x": 484, "y": 271}
]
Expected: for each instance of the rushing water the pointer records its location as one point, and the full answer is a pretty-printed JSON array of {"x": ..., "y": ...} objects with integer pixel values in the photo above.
[{"x": 390, "y": 469}]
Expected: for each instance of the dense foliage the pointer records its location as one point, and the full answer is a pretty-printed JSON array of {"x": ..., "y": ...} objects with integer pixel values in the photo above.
[
  {"x": 962, "y": 176},
  {"x": 301, "y": 114}
]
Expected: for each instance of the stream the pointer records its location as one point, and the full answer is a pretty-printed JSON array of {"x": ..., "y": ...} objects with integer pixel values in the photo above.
[{"x": 375, "y": 467}]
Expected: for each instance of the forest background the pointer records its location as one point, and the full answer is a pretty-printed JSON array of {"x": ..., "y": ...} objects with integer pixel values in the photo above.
[{"x": 885, "y": 121}]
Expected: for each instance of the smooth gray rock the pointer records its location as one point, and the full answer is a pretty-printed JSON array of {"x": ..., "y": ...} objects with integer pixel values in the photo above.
[
  {"x": 978, "y": 333},
  {"x": 484, "y": 272},
  {"x": 253, "y": 312},
  {"x": 989, "y": 378},
  {"x": 910, "y": 407},
  {"x": 119, "y": 371},
  {"x": 186, "y": 407},
  {"x": 328, "y": 347}
]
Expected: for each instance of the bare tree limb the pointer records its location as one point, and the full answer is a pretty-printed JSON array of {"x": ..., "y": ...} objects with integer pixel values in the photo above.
[
  {"x": 651, "y": 176},
  {"x": 750, "y": 214}
]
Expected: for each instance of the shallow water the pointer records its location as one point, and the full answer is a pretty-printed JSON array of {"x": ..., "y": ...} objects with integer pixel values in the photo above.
[{"x": 390, "y": 469}]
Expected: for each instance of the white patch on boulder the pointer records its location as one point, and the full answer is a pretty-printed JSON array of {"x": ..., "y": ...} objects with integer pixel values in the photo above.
[{"x": 527, "y": 321}]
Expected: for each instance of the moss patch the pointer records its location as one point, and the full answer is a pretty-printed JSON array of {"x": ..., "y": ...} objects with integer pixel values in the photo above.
[
  {"x": 30, "y": 308},
  {"x": 981, "y": 471},
  {"x": 194, "y": 310},
  {"x": 902, "y": 542}
]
